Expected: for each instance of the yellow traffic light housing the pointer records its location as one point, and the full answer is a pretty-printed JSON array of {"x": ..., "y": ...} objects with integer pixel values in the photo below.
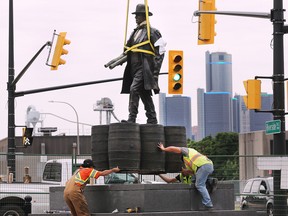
[
  {"x": 59, "y": 51},
  {"x": 253, "y": 98},
  {"x": 175, "y": 72},
  {"x": 27, "y": 137},
  {"x": 206, "y": 25}
]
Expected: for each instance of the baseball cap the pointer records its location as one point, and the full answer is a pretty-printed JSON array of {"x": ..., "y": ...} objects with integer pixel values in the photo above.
[{"x": 88, "y": 163}]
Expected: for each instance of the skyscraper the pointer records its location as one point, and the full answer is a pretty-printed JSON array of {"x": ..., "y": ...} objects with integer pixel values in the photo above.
[
  {"x": 215, "y": 106},
  {"x": 176, "y": 111},
  {"x": 218, "y": 72},
  {"x": 218, "y": 113},
  {"x": 200, "y": 115},
  {"x": 249, "y": 120},
  {"x": 217, "y": 110}
]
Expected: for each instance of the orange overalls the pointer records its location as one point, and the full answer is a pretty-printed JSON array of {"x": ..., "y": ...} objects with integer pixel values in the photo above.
[{"x": 73, "y": 193}]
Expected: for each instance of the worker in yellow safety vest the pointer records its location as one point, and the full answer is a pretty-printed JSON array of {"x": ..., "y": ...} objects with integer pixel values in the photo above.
[
  {"x": 199, "y": 165},
  {"x": 73, "y": 192},
  {"x": 184, "y": 177}
]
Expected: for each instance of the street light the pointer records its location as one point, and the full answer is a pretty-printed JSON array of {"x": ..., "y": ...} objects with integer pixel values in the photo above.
[{"x": 77, "y": 119}]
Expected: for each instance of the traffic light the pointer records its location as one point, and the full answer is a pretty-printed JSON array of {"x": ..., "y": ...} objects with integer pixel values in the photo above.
[
  {"x": 206, "y": 24},
  {"x": 59, "y": 51},
  {"x": 175, "y": 72},
  {"x": 27, "y": 136},
  {"x": 253, "y": 98}
]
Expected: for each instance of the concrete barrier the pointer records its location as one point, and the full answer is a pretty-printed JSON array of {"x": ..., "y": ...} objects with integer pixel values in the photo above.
[
  {"x": 149, "y": 197},
  {"x": 179, "y": 213}
]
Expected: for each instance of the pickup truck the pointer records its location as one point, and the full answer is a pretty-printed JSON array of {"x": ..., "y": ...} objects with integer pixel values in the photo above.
[
  {"x": 19, "y": 199},
  {"x": 258, "y": 195}
]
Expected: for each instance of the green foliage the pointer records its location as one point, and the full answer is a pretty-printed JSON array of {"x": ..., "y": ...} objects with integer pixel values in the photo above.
[{"x": 223, "y": 150}]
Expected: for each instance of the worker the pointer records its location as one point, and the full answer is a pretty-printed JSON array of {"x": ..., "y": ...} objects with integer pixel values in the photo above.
[
  {"x": 143, "y": 67},
  {"x": 73, "y": 193},
  {"x": 199, "y": 165},
  {"x": 184, "y": 177}
]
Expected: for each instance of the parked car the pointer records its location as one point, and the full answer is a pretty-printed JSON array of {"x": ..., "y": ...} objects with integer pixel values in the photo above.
[
  {"x": 121, "y": 178},
  {"x": 258, "y": 195},
  {"x": 127, "y": 178}
]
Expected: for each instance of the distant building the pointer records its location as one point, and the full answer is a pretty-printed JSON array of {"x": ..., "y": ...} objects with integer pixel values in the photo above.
[
  {"x": 218, "y": 72},
  {"x": 200, "y": 115},
  {"x": 251, "y": 120},
  {"x": 175, "y": 111},
  {"x": 235, "y": 115},
  {"x": 214, "y": 107},
  {"x": 218, "y": 110},
  {"x": 218, "y": 113}
]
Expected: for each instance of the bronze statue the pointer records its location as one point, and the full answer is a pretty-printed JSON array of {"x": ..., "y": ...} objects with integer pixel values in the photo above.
[{"x": 144, "y": 56}]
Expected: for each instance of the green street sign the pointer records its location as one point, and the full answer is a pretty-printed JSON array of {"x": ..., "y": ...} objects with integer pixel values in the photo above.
[{"x": 273, "y": 127}]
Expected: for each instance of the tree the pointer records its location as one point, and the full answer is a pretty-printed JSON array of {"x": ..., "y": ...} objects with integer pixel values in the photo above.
[{"x": 223, "y": 150}]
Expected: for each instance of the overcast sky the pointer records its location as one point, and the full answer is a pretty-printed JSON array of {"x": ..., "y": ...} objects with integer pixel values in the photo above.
[{"x": 96, "y": 30}]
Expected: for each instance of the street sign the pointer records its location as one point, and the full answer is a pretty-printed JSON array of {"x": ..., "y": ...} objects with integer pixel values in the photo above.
[{"x": 273, "y": 127}]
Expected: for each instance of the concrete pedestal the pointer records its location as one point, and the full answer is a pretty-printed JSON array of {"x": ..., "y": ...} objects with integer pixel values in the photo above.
[{"x": 149, "y": 197}]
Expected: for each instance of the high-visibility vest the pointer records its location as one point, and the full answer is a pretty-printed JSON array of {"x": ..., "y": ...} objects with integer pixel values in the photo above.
[
  {"x": 82, "y": 180},
  {"x": 195, "y": 160},
  {"x": 185, "y": 179}
]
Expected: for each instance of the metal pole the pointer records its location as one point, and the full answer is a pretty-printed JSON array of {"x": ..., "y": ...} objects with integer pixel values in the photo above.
[
  {"x": 11, "y": 96},
  {"x": 235, "y": 13},
  {"x": 279, "y": 147},
  {"x": 77, "y": 119},
  {"x": 19, "y": 94}
]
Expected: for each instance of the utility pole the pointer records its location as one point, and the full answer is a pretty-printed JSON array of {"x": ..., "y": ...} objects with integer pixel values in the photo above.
[
  {"x": 279, "y": 145},
  {"x": 11, "y": 96},
  {"x": 279, "y": 141}
]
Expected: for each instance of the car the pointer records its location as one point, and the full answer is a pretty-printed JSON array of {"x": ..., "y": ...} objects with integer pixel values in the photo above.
[
  {"x": 128, "y": 178},
  {"x": 121, "y": 178},
  {"x": 258, "y": 195}
]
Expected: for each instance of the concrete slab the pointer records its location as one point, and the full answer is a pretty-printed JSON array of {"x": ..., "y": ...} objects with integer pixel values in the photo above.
[
  {"x": 149, "y": 197},
  {"x": 177, "y": 213}
]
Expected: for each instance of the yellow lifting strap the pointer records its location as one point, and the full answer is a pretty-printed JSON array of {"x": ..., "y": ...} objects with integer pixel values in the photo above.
[{"x": 135, "y": 48}]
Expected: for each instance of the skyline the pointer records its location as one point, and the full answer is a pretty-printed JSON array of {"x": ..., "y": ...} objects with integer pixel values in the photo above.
[{"x": 97, "y": 33}]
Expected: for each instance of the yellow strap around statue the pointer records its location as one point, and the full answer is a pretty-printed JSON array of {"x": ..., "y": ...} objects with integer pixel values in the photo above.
[
  {"x": 134, "y": 48},
  {"x": 126, "y": 27}
]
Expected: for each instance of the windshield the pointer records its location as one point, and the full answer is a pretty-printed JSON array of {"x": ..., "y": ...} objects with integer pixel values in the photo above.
[
  {"x": 52, "y": 172},
  {"x": 247, "y": 188}
]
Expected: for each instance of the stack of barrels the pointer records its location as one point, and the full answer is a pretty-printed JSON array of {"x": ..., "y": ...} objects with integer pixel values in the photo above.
[{"x": 133, "y": 147}]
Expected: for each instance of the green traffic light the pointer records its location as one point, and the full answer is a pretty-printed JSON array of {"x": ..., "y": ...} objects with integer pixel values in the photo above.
[{"x": 177, "y": 77}]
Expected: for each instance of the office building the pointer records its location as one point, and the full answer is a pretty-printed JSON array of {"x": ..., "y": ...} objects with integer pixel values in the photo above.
[
  {"x": 176, "y": 111},
  {"x": 218, "y": 72},
  {"x": 255, "y": 121},
  {"x": 215, "y": 106},
  {"x": 200, "y": 115},
  {"x": 218, "y": 113}
]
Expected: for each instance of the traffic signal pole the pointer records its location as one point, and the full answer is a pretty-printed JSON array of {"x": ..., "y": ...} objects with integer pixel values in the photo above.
[
  {"x": 279, "y": 145},
  {"x": 279, "y": 141},
  {"x": 11, "y": 98}
]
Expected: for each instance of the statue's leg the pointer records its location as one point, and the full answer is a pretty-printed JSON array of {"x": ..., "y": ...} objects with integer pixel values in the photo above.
[
  {"x": 134, "y": 97},
  {"x": 147, "y": 100},
  {"x": 133, "y": 106}
]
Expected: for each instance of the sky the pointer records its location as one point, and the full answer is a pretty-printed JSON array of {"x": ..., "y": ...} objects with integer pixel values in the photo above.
[{"x": 96, "y": 30}]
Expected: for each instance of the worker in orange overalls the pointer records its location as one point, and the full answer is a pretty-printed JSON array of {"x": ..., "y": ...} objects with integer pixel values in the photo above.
[{"x": 73, "y": 193}]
